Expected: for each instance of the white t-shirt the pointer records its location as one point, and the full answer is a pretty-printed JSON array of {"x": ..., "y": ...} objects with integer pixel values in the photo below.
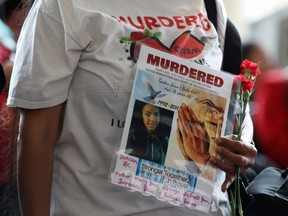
[{"x": 79, "y": 51}]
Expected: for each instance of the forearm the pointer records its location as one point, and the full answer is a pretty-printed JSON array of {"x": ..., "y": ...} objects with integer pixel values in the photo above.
[
  {"x": 34, "y": 179},
  {"x": 38, "y": 135}
]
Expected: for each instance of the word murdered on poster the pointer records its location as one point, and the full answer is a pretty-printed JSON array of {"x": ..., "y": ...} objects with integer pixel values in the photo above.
[{"x": 184, "y": 70}]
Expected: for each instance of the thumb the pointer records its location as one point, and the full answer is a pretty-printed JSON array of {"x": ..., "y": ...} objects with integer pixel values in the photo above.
[{"x": 228, "y": 181}]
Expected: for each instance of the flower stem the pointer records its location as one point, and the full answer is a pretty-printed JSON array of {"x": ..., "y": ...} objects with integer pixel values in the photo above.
[{"x": 239, "y": 203}]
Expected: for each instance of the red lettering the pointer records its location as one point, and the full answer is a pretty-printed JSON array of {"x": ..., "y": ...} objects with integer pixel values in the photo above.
[
  {"x": 116, "y": 18},
  {"x": 126, "y": 164},
  {"x": 204, "y": 22},
  {"x": 210, "y": 79},
  {"x": 165, "y": 21},
  {"x": 165, "y": 63},
  {"x": 153, "y": 60},
  {"x": 140, "y": 23},
  {"x": 122, "y": 19},
  {"x": 193, "y": 73},
  {"x": 201, "y": 76},
  {"x": 184, "y": 70},
  {"x": 218, "y": 81},
  {"x": 174, "y": 66},
  {"x": 151, "y": 22},
  {"x": 186, "y": 51},
  {"x": 190, "y": 20},
  {"x": 179, "y": 22}
]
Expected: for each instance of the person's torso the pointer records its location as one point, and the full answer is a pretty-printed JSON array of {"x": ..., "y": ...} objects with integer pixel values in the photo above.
[{"x": 100, "y": 89}]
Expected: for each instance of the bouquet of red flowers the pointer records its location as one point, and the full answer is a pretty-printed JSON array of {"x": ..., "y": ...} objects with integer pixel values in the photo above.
[{"x": 244, "y": 87}]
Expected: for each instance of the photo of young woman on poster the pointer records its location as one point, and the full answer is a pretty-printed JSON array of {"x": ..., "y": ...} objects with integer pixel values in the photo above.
[{"x": 149, "y": 132}]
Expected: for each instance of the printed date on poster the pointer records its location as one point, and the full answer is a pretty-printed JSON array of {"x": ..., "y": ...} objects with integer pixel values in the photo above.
[{"x": 166, "y": 104}]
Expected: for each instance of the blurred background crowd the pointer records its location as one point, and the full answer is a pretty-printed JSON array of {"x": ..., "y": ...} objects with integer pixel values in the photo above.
[
  {"x": 10, "y": 19},
  {"x": 263, "y": 26}
]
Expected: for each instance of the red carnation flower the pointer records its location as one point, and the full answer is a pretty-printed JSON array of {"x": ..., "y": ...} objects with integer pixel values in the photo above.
[
  {"x": 247, "y": 84},
  {"x": 251, "y": 68}
]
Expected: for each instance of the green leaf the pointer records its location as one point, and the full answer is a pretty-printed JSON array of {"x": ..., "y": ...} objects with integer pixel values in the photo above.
[
  {"x": 246, "y": 95},
  {"x": 148, "y": 32},
  {"x": 124, "y": 38},
  {"x": 157, "y": 34}
]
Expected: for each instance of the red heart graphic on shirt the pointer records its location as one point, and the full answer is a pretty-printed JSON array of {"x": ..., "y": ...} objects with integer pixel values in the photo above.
[{"x": 185, "y": 46}]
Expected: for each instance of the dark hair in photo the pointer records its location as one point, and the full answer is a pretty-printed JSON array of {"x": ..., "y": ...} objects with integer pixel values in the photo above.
[{"x": 164, "y": 126}]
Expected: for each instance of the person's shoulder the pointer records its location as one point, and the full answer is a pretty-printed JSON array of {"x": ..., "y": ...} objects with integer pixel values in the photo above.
[
  {"x": 53, "y": 8},
  {"x": 49, "y": 8}
]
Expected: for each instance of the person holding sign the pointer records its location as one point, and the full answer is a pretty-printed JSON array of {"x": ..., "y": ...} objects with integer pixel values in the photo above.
[{"x": 73, "y": 75}]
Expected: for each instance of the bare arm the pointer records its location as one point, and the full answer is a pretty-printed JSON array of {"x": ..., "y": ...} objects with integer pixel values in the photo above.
[{"x": 38, "y": 134}]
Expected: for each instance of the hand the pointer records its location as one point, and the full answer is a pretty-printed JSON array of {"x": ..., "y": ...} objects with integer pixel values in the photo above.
[
  {"x": 233, "y": 153},
  {"x": 192, "y": 136}
]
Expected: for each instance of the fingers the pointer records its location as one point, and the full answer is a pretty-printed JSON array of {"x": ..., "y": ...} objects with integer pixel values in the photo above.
[
  {"x": 181, "y": 129},
  {"x": 191, "y": 121},
  {"x": 233, "y": 154},
  {"x": 184, "y": 121},
  {"x": 224, "y": 165},
  {"x": 188, "y": 112},
  {"x": 227, "y": 167},
  {"x": 185, "y": 126},
  {"x": 235, "y": 159},
  {"x": 194, "y": 123},
  {"x": 180, "y": 138},
  {"x": 228, "y": 181},
  {"x": 236, "y": 145},
  {"x": 228, "y": 142},
  {"x": 188, "y": 117},
  {"x": 192, "y": 114},
  {"x": 239, "y": 153},
  {"x": 206, "y": 137},
  {"x": 193, "y": 139}
]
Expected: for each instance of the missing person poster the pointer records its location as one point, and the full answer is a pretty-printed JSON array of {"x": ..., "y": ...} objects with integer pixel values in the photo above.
[{"x": 177, "y": 109}]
